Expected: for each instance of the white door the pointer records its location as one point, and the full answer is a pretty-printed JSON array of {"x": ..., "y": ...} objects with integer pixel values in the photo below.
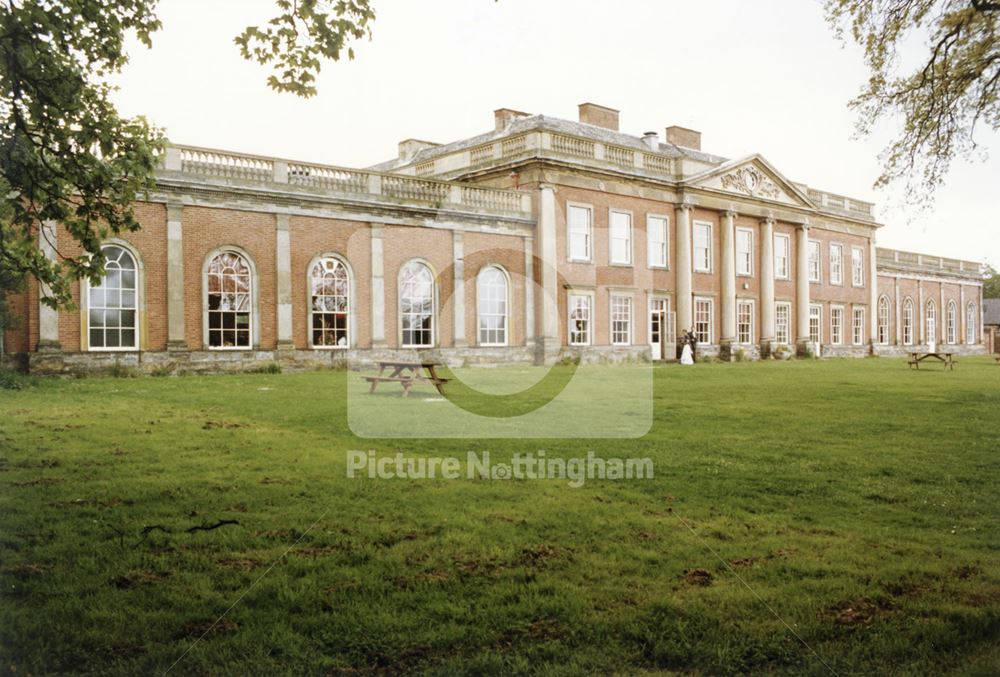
[{"x": 657, "y": 327}]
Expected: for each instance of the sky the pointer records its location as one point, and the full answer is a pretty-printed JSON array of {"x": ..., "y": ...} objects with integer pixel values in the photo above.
[{"x": 765, "y": 77}]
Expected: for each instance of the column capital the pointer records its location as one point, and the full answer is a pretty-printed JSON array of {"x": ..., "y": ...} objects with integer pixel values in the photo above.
[
  {"x": 685, "y": 206},
  {"x": 767, "y": 220},
  {"x": 548, "y": 186},
  {"x": 730, "y": 213},
  {"x": 804, "y": 227}
]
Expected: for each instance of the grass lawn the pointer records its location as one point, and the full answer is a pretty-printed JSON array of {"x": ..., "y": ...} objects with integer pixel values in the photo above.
[{"x": 855, "y": 501}]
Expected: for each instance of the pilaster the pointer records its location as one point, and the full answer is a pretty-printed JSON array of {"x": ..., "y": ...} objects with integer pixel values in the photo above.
[
  {"x": 378, "y": 287},
  {"x": 767, "y": 334},
  {"x": 802, "y": 288},
  {"x": 548, "y": 342},
  {"x": 48, "y": 318},
  {"x": 458, "y": 295},
  {"x": 682, "y": 264},
  {"x": 529, "y": 291},
  {"x": 283, "y": 260},
  {"x": 728, "y": 300},
  {"x": 175, "y": 277},
  {"x": 872, "y": 294}
]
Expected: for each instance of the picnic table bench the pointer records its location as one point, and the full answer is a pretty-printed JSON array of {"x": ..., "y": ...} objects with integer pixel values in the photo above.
[
  {"x": 948, "y": 359},
  {"x": 407, "y": 374}
]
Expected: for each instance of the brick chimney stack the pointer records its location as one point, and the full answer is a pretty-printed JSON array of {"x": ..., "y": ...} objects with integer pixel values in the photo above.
[{"x": 599, "y": 116}]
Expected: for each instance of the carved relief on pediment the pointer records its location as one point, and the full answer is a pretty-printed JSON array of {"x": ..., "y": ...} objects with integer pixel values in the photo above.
[{"x": 750, "y": 180}]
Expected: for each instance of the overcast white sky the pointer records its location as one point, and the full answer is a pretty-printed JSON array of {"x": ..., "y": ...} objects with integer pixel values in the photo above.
[{"x": 765, "y": 76}]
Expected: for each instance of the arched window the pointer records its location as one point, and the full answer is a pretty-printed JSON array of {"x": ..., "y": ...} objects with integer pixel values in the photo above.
[
  {"x": 908, "y": 322},
  {"x": 112, "y": 306},
  {"x": 883, "y": 321},
  {"x": 230, "y": 301},
  {"x": 330, "y": 301},
  {"x": 970, "y": 323},
  {"x": 491, "y": 299},
  {"x": 931, "y": 321},
  {"x": 952, "y": 323},
  {"x": 416, "y": 305}
]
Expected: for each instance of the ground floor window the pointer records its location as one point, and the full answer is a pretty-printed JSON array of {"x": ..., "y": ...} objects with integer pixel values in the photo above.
[
  {"x": 883, "y": 321},
  {"x": 416, "y": 305},
  {"x": 579, "y": 319},
  {"x": 859, "y": 326},
  {"x": 621, "y": 320},
  {"x": 970, "y": 323},
  {"x": 836, "y": 325},
  {"x": 908, "y": 322},
  {"x": 931, "y": 322},
  {"x": 330, "y": 303},
  {"x": 952, "y": 322},
  {"x": 229, "y": 301},
  {"x": 112, "y": 306},
  {"x": 703, "y": 320},
  {"x": 744, "y": 322},
  {"x": 782, "y": 312},
  {"x": 815, "y": 327},
  {"x": 491, "y": 300}
]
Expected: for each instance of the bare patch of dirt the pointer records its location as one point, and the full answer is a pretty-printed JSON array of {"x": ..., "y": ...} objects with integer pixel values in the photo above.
[
  {"x": 134, "y": 579},
  {"x": 208, "y": 629},
  {"x": 860, "y": 611},
  {"x": 241, "y": 563},
  {"x": 225, "y": 425},
  {"x": 36, "y": 481},
  {"x": 543, "y": 553},
  {"x": 965, "y": 571},
  {"x": 274, "y": 480},
  {"x": 699, "y": 577},
  {"x": 541, "y": 630},
  {"x": 25, "y": 571}
]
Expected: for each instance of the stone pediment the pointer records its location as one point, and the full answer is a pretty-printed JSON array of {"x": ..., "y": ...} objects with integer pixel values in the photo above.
[{"x": 751, "y": 177}]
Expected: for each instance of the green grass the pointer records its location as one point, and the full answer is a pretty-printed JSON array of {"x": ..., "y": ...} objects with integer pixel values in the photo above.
[{"x": 856, "y": 499}]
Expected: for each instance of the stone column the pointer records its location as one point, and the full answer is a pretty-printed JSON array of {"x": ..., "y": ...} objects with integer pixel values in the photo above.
[
  {"x": 529, "y": 291},
  {"x": 802, "y": 288},
  {"x": 728, "y": 301},
  {"x": 682, "y": 265},
  {"x": 283, "y": 261},
  {"x": 378, "y": 288},
  {"x": 175, "y": 278},
  {"x": 872, "y": 294},
  {"x": 48, "y": 318},
  {"x": 458, "y": 295},
  {"x": 767, "y": 337},
  {"x": 548, "y": 342}
]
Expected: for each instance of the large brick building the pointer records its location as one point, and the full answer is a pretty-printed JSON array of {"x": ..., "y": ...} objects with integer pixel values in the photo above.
[{"x": 539, "y": 238}]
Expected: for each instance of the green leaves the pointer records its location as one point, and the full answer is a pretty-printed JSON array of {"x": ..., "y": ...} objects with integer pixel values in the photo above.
[{"x": 306, "y": 31}]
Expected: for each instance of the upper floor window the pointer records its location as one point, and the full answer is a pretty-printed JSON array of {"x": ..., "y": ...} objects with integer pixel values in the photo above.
[
  {"x": 579, "y": 319},
  {"x": 702, "y": 247},
  {"x": 621, "y": 320},
  {"x": 112, "y": 306},
  {"x": 416, "y": 305},
  {"x": 857, "y": 266},
  {"x": 782, "y": 246},
  {"x": 621, "y": 237},
  {"x": 491, "y": 301},
  {"x": 230, "y": 301},
  {"x": 970, "y": 323},
  {"x": 329, "y": 285},
  {"x": 908, "y": 322},
  {"x": 744, "y": 322},
  {"x": 579, "y": 233},
  {"x": 656, "y": 241},
  {"x": 744, "y": 251},
  {"x": 858, "y": 327},
  {"x": 815, "y": 266},
  {"x": 952, "y": 328},
  {"x": 883, "y": 321},
  {"x": 836, "y": 264}
]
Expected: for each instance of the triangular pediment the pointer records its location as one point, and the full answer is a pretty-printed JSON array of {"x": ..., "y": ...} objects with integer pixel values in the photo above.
[{"x": 751, "y": 177}]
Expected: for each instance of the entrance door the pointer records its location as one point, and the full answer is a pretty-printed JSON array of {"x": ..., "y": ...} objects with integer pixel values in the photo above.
[{"x": 657, "y": 327}]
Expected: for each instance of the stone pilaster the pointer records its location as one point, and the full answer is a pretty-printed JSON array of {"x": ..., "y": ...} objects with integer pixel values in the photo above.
[
  {"x": 963, "y": 315},
  {"x": 548, "y": 342},
  {"x": 283, "y": 262},
  {"x": 458, "y": 295},
  {"x": 767, "y": 334},
  {"x": 378, "y": 287},
  {"x": 898, "y": 305},
  {"x": 728, "y": 283},
  {"x": 802, "y": 288},
  {"x": 872, "y": 294},
  {"x": 529, "y": 291},
  {"x": 682, "y": 265},
  {"x": 48, "y": 318},
  {"x": 175, "y": 277},
  {"x": 921, "y": 315}
]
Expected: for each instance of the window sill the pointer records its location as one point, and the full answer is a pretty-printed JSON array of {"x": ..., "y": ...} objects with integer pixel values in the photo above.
[{"x": 330, "y": 347}]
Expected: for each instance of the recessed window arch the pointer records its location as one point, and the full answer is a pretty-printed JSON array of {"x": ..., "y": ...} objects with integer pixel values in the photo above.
[
  {"x": 492, "y": 302},
  {"x": 930, "y": 319},
  {"x": 908, "y": 322},
  {"x": 970, "y": 322},
  {"x": 229, "y": 301},
  {"x": 416, "y": 305},
  {"x": 113, "y": 305},
  {"x": 951, "y": 323},
  {"x": 330, "y": 304},
  {"x": 884, "y": 321}
]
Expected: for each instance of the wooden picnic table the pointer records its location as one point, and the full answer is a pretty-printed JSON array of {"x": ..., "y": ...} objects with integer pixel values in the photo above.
[
  {"x": 408, "y": 374},
  {"x": 948, "y": 359}
]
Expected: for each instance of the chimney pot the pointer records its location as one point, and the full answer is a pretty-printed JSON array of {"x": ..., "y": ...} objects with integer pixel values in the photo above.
[
  {"x": 652, "y": 140},
  {"x": 682, "y": 136},
  {"x": 600, "y": 116}
]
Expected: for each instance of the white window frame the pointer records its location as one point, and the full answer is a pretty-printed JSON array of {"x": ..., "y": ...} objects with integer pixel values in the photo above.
[
  {"x": 697, "y": 265},
  {"x": 908, "y": 320},
  {"x": 951, "y": 323},
  {"x": 252, "y": 315},
  {"x": 857, "y": 328},
  {"x": 783, "y": 327},
  {"x": 782, "y": 264},
  {"x": 588, "y": 235},
  {"x": 930, "y": 321},
  {"x": 612, "y": 237},
  {"x": 136, "y": 308},
  {"x": 819, "y": 323},
  {"x": 884, "y": 328},
  {"x": 434, "y": 308},
  {"x": 710, "y": 333},
  {"x": 836, "y": 263},
  {"x": 836, "y": 327},
  {"x": 742, "y": 304},
  {"x": 744, "y": 259},
  {"x": 652, "y": 245},
  {"x": 350, "y": 301},
  {"x": 630, "y": 306},
  {"x": 971, "y": 321},
  {"x": 570, "y": 306},
  {"x": 857, "y": 267},
  {"x": 817, "y": 260},
  {"x": 480, "y": 314}
]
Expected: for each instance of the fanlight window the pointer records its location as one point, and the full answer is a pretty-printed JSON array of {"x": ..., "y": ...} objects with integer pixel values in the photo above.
[
  {"x": 883, "y": 320},
  {"x": 970, "y": 323},
  {"x": 952, "y": 329},
  {"x": 229, "y": 302},
  {"x": 330, "y": 303},
  {"x": 908, "y": 322},
  {"x": 931, "y": 324},
  {"x": 416, "y": 305},
  {"x": 491, "y": 295},
  {"x": 112, "y": 320}
]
